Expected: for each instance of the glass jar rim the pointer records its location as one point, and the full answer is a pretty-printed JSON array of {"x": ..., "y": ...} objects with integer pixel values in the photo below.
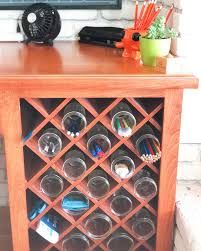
[
  {"x": 146, "y": 136},
  {"x": 120, "y": 235},
  {"x": 58, "y": 179},
  {"x": 77, "y": 212},
  {"x": 145, "y": 179},
  {"x": 98, "y": 178},
  {"x": 125, "y": 112},
  {"x": 120, "y": 197},
  {"x": 81, "y": 161},
  {"x": 76, "y": 236},
  {"x": 79, "y": 114},
  {"x": 101, "y": 136},
  {"x": 99, "y": 216},
  {"x": 52, "y": 134},
  {"x": 119, "y": 159},
  {"x": 143, "y": 220}
]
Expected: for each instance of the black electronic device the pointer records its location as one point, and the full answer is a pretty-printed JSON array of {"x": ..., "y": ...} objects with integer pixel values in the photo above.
[
  {"x": 41, "y": 23},
  {"x": 106, "y": 36}
]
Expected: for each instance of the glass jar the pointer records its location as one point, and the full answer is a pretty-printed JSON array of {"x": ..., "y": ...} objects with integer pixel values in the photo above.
[
  {"x": 75, "y": 203},
  {"x": 143, "y": 226},
  {"x": 147, "y": 144},
  {"x": 76, "y": 242},
  {"x": 52, "y": 184},
  {"x": 144, "y": 186},
  {"x": 98, "y": 184},
  {"x": 50, "y": 143},
  {"x": 123, "y": 122},
  {"x": 74, "y": 165},
  {"x": 121, "y": 205},
  {"x": 98, "y": 143},
  {"x": 98, "y": 226},
  {"x": 74, "y": 120},
  {"x": 122, "y": 165},
  {"x": 120, "y": 242}
]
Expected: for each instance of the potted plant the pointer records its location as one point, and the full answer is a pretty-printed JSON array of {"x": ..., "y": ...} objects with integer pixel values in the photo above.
[{"x": 157, "y": 41}]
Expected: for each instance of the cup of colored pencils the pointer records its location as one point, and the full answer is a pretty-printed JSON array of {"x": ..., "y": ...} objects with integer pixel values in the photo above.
[
  {"x": 98, "y": 143},
  {"x": 123, "y": 121},
  {"x": 147, "y": 145},
  {"x": 74, "y": 120}
]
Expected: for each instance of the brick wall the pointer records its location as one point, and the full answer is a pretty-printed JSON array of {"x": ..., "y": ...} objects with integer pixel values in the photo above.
[
  {"x": 74, "y": 20},
  {"x": 184, "y": 20}
]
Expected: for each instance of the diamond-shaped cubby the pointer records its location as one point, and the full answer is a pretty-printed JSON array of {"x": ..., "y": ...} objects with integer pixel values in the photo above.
[
  {"x": 48, "y": 105},
  {"x": 36, "y": 241},
  {"x": 100, "y": 104},
  {"x": 121, "y": 203},
  {"x": 147, "y": 143},
  {"x": 98, "y": 225},
  {"x": 51, "y": 226},
  {"x": 35, "y": 205},
  {"x": 48, "y": 142},
  {"x": 149, "y": 104},
  {"x": 30, "y": 118},
  {"x": 123, "y": 118},
  {"x": 75, "y": 241},
  {"x": 122, "y": 163},
  {"x": 50, "y": 185},
  {"x": 97, "y": 185},
  {"x": 142, "y": 225},
  {"x": 74, "y": 204},
  {"x": 120, "y": 240},
  {"x": 144, "y": 184},
  {"x": 73, "y": 118},
  {"x": 98, "y": 141},
  {"x": 32, "y": 163},
  {"x": 74, "y": 164}
]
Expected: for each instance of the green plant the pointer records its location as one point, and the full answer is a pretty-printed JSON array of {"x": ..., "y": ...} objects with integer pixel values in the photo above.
[{"x": 159, "y": 30}]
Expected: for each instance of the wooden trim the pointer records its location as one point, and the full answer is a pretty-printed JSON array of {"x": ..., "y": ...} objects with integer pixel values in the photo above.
[
  {"x": 84, "y": 85},
  {"x": 168, "y": 171},
  {"x": 11, "y": 128}
]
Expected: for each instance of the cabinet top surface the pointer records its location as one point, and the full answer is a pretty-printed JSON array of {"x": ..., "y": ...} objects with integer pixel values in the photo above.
[{"x": 71, "y": 59}]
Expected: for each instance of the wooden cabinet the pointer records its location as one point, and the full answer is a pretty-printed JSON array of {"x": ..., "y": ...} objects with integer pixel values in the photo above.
[{"x": 36, "y": 84}]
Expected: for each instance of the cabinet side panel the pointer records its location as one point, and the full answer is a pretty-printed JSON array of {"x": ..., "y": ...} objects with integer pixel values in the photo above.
[
  {"x": 10, "y": 124},
  {"x": 168, "y": 173}
]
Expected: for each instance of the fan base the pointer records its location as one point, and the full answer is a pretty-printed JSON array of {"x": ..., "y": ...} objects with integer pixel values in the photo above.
[{"x": 47, "y": 42}]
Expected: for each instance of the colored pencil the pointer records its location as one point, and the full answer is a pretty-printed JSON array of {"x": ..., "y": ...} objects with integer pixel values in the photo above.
[
  {"x": 136, "y": 14},
  {"x": 150, "y": 15},
  {"x": 169, "y": 13},
  {"x": 156, "y": 13},
  {"x": 146, "y": 14},
  {"x": 141, "y": 14}
]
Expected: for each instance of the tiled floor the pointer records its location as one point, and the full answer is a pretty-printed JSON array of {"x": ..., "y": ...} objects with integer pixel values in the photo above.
[{"x": 5, "y": 232}]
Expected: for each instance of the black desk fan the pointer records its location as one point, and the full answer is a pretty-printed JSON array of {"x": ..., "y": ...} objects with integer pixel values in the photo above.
[{"x": 41, "y": 23}]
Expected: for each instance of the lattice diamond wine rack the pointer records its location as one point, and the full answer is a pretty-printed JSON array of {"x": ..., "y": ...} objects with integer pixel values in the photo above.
[{"x": 37, "y": 116}]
